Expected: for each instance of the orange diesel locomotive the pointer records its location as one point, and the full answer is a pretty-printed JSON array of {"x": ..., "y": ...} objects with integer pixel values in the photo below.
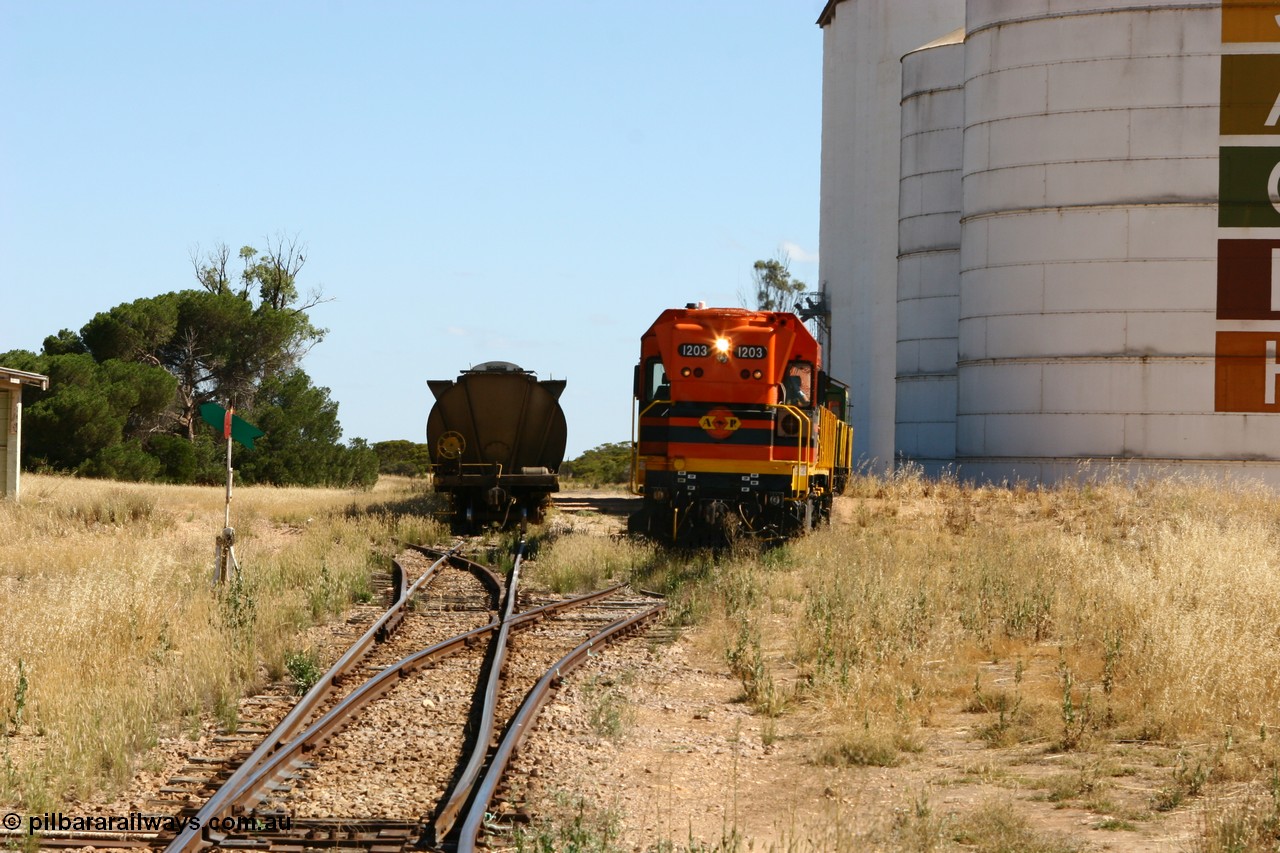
[{"x": 739, "y": 427}]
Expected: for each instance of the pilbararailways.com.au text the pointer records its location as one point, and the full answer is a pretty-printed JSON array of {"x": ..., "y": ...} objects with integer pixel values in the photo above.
[{"x": 138, "y": 822}]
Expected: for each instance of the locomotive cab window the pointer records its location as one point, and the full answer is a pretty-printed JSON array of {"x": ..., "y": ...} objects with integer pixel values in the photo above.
[
  {"x": 656, "y": 384},
  {"x": 797, "y": 384}
]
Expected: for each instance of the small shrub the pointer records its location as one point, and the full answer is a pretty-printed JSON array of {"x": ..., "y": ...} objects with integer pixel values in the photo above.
[
  {"x": 996, "y": 827},
  {"x": 607, "y": 709},
  {"x": 1251, "y": 825},
  {"x": 19, "y": 697},
  {"x": 867, "y": 747},
  {"x": 305, "y": 670}
]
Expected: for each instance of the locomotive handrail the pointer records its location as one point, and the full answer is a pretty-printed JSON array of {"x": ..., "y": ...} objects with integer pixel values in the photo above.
[
  {"x": 634, "y": 485},
  {"x": 804, "y": 437},
  {"x": 635, "y": 442},
  {"x": 834, "y": 445},
  {"x": 652, "y": 404},
  {"x": 828, "y": 439}
]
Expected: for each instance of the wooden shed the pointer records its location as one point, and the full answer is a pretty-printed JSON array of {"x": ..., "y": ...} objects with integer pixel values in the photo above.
[{"x": 11, "y": 382}]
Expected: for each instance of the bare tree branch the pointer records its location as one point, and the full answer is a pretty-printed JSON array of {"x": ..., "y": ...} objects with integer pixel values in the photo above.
[{"x": 211, "y": 269}]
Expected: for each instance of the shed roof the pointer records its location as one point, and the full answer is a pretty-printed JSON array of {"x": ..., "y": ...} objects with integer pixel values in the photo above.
[{"x": 21, "y": 377}]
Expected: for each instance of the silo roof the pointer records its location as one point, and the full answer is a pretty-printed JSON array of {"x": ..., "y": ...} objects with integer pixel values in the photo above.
[
  {"x": 827, "y": 11},
  {"x": 954, "y": 37}
]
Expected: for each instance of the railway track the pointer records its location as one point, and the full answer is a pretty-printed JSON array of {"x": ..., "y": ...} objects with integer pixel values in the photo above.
[{"x": 404, "y": 742}]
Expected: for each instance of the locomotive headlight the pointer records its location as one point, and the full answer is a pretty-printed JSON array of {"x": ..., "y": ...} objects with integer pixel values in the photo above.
[{"x": 722, "y": 345}]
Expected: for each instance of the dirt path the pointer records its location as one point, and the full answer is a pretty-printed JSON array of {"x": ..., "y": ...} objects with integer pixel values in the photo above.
[{"x": 693, "y": 763}]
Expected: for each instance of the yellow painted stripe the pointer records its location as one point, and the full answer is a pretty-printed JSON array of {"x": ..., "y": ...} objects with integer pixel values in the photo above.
[{"x": 728, "y": 466}]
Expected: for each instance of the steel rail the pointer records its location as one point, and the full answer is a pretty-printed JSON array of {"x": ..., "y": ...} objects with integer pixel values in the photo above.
[
  {"x": 297, "y": 717},
  {"x": 252, "y": 782},
  {"x": 524, "y": 718},
  {"x": 491, "y": 581},
  {"x": 339, "y": 715},
  {"x": 492, "y": 679}
]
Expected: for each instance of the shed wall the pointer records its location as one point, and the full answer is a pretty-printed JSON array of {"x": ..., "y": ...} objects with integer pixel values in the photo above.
[{"x": 8, "y": 443}]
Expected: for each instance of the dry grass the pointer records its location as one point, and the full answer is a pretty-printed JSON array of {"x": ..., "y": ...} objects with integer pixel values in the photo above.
[
  {"x": 1248, "y": 825},
  {"x": 577, "y": 563},
  {"x": 1066, "y": 619},
  {"x": 1149, "y": 612},
  {"x": 114, "y": 634}
]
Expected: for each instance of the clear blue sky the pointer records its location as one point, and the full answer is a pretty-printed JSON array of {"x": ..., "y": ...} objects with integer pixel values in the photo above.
[{"x": 518, "y": 181}]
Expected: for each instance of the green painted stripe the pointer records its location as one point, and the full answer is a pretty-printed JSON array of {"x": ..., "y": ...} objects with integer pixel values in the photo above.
[{"x": 1244, "y": 197}]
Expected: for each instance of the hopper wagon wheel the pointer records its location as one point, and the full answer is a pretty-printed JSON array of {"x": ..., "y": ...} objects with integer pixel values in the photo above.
[{"x": 463, "y": 517}]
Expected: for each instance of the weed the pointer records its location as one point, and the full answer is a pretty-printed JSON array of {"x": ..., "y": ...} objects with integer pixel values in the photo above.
[
  {"x": 996, "y": 827},
  {"x": 239, "y": 607},
  {"x": 1110, "y": 660},
  {"x": 867, "y": 746},
  {"x": 19, "y": 697},
  {"x": 324, "y": 596},
  {"x": 227, "y": 712},
  {"x": 768, "y": 732},
  {"x": 362, "y": 588},
  {"x": 1070, "y": 786},
  {"x": 1076, "y": 718},
  {"x": 746, "y": 662},
  {"x": 917, "y": 826},
  {"x": 607, "y": 711},
  {"x": 983, "y": 702},
  {"x": 589, "y": 830},
  {"x": 1251, "y": 825},
  {"x": 1189, "y": 778},
  {"x": 305, "y": 670}
]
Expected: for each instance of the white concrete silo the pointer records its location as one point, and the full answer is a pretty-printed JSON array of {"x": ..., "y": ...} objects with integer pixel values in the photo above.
[
  {"x": 929, "y": 252},
  {"x": 1087, "y": 307},
  {"x": 863, "y": 43}
]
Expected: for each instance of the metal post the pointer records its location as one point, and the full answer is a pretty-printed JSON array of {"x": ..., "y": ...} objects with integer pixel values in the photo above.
[
  {"x": 226, "y": 518},
  {"x": 225, "y": 560}
]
